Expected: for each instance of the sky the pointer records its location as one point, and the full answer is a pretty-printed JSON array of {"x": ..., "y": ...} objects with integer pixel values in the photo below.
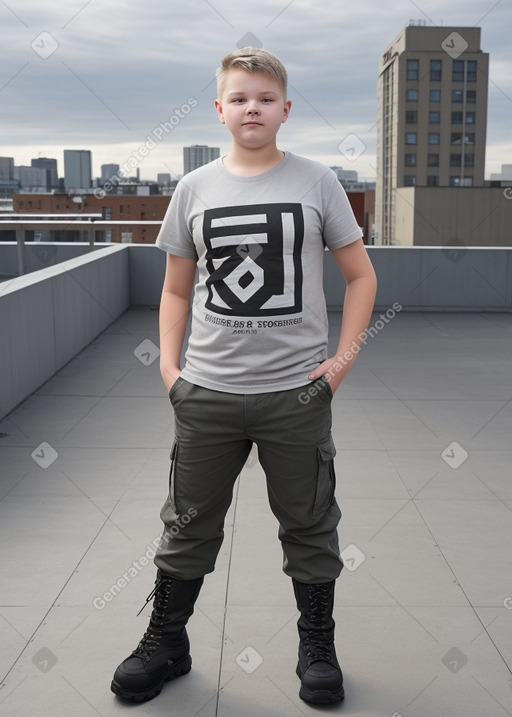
[{"x": 115, "y": 76}]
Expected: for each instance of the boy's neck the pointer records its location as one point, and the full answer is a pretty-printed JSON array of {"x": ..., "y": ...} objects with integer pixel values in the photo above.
[{"x": 247, "y": 162}]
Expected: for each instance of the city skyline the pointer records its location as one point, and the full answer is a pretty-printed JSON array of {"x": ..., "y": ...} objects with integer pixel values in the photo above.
[
  {"x": 116, "y": 79},
  {"x": 109, "y": 169}
]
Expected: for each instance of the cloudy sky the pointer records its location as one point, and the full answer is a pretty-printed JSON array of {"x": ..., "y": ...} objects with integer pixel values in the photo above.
[{"x": 104, "y": 75}]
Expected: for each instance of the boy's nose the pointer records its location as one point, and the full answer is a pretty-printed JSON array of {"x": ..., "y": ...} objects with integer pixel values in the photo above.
[{"x": 252, "y": 108}]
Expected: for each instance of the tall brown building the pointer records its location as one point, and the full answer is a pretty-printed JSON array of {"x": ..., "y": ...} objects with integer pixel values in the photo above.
[{"x": 432, "y": 115}]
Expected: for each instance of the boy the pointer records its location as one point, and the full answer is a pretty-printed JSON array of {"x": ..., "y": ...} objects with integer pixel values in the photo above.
[{"x": 254, "y": 223}]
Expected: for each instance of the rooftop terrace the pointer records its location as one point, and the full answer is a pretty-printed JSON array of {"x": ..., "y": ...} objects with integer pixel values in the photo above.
[{"x": 422, "y": 426}]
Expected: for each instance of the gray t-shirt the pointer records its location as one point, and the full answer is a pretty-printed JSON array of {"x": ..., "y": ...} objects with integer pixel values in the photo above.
[{"x": 259, "y": 320}]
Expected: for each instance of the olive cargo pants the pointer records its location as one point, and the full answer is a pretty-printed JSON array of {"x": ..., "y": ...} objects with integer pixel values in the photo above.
[{"x": 214, "y": 433}]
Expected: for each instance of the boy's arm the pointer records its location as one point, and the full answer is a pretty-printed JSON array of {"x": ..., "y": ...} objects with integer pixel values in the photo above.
[
  {"x": 357, "y": 270},
  {"x": 174, "y": 308}
]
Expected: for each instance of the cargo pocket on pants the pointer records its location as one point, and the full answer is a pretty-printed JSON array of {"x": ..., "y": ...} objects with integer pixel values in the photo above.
[
  {"x": 326, "y": 478},
  {"x": 170, "y": 509}
]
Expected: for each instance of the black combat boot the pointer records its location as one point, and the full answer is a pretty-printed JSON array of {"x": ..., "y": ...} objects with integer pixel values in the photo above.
[
  {"x": 163, "y": 652},
  {"x": 318, "y": 667}
]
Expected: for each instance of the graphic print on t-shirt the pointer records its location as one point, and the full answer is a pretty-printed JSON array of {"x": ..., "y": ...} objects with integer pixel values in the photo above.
[{"x": 253, "y": 257}]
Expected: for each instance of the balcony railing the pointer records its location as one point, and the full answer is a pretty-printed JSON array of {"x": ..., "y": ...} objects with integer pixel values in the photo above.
[{"x": 49, "y": 315}]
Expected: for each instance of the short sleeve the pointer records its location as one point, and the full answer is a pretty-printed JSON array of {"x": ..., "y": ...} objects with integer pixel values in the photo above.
[
  {"x": 339, "y": 223},
  {"x": 175, "y": 235}
]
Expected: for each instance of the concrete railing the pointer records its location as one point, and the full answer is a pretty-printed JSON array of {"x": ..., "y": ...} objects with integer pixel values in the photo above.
[
  {"x": 434, "y": 278},
  {"x": 39, "y": 255},
  {"x": 48, "y": 316}
]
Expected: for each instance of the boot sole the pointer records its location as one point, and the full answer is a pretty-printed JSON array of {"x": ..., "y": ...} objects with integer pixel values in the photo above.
[
  {"x": 320, "y": 696},
  {"x": 177, "y": 670}
]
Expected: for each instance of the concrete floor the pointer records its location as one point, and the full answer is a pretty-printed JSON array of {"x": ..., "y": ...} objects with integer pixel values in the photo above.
[{"x": 423, "y": 608}]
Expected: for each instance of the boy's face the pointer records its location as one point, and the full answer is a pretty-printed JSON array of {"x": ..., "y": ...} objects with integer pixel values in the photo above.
[{"x": 253, "y": 107}]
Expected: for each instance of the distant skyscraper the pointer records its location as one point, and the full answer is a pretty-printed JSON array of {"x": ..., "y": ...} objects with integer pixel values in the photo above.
[
  {"x": 8, "y": 184},
  {"x": 7, "y": 168},
  {"x": 35, "y": 178},
  {"x": 51, "y": 166},
  {"x": 432, "y": 115},
  {"x": 77, "y": 169},
  {"x": 109, "y": 171},
  {"x": 163, "y": 179},
  {"x": 197, "y": 155}
]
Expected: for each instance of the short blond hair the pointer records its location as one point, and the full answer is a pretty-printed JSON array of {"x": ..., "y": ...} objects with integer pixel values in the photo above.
[{"x": 252, "y": 59}]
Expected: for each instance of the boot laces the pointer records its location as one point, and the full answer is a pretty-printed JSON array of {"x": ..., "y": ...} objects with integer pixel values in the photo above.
[
  {"x": 318, "y": 639},
  {"x": 153, "y": 635}
]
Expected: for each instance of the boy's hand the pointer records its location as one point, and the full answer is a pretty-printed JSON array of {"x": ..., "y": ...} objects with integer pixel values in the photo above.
[
  {"x": 333, "y": 370},
  {"x": 169, "y": 376}
]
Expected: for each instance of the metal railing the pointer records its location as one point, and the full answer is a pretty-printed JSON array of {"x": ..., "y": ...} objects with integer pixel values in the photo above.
[{"x": 88, "y": 226}]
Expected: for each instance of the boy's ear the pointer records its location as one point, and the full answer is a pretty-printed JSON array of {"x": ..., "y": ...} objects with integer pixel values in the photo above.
[
  {"x": 286, "y": 111},
  {"x": 220, "y": 113}
]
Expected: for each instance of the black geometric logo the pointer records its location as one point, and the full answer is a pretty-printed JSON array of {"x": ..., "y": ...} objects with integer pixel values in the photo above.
[{"x": 253, "y": 258}]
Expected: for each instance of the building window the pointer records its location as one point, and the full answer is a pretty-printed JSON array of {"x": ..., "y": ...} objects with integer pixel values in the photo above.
[
  {"x": 457, "y": 117},
  {"x": 471, "y": 71},
  {"x": 435, "y": 70},
  {"x": 409, "y": 180},
  {"x": 106, "y": 213},
  {"x": 460, "y": 138},
  {"x": 469, "y": 160},
  {"x": 458, "y": 96},
  {"x": 433, "y": 160},
  {"x": 413, "y": 69},
  {"x": 121, "y": 209},
  {"x": 410, "y": 160},
  {"x": 434, "y": 117},
  {"x": 455, "y": 160},
  {"x": 435, "y": 95},
  {"x": 470, "y": 117},
  {"x": 458, "y": 75},
  {"x": 464, "y": 70},
  {"x": 411, "y": 95},
  {"x": 432, "y": 180},
  {"x": 410, "y": 138},
  {"x": 411, "y": 117},
  {"x": 433, "y": 137},
  {"x": 461, "y": 181}
]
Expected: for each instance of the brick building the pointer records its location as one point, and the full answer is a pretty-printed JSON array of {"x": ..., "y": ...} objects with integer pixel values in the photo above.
[{"x": 120, "y": 208}]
